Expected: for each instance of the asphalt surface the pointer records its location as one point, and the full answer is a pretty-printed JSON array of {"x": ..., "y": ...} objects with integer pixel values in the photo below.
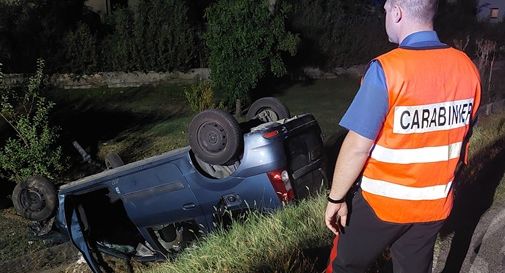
[{"x": 485, "y": 252}]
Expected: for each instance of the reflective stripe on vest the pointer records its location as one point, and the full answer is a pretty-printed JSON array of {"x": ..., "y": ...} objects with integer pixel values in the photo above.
[
  {"x": 393, "y": 190},
  {"x": 417, "y": 155},
  {"x": 433, "y": 94}
]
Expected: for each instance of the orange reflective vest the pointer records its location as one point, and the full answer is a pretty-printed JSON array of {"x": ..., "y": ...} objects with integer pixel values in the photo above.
[{"x": 433, "y": 95}]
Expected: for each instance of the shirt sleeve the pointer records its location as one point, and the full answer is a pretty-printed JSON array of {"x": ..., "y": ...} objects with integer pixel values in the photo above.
[{"x": 367, "y": 112}]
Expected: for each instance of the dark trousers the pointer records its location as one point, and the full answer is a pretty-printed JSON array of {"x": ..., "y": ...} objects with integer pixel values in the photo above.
[{"x": 366, "y": 237}]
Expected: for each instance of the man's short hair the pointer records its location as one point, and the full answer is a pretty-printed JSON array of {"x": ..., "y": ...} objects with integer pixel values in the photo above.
[{"x": 422, "y": 11}]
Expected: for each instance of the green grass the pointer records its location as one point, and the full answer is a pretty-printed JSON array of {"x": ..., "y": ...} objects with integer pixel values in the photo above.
[
  {"x": 327, "y": 100},
  {"x": 168, "y": 98},
  {"x": 273, "y": 243},
  {"x": 160, "y": 115},
  {"x": 145, "y": 121},
  {"x": 500, "y": 191},
  {"x": 134, "y": 122},
  {"x": 488, "y": 130},
  {"x": 166, "y": 119},
  {"x": 264, "y": 243},
  {"x": 276, "y": 243},
  {"x": 261, "y": 244},
  {"x": 15, "y": 236}
]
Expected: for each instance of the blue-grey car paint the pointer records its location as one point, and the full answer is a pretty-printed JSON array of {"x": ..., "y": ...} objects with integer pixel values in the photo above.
[{"x": 177, "y": 191}]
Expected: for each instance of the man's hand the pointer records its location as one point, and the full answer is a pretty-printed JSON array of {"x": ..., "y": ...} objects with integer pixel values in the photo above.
[{"x": 336, "y": 216}]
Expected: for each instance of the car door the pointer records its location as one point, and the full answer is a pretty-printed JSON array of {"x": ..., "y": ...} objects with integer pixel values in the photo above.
[{"x": 158, "y": 195}]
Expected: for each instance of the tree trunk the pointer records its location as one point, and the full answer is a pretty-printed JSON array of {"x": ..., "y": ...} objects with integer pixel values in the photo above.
[{"x": 237, "y": 108}]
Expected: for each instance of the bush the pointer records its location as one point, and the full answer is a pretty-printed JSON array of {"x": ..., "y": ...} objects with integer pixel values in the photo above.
[
  {"x": 33, "y": 151},
  {"x": 80, "y": 48},
  {"x": 118, "y": 52},
  {"x": 155, "y": 35},
  {"x": 338, "y": 33},
  {"x": 200, "y": 96},
  {"x": 246, "y": 40},
  {"x": 30, "y": 29}
]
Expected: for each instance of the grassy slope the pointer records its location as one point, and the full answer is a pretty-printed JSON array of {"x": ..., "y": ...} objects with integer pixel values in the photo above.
[
  {"x": 141, "y": 122},
  {"x": 277, "y": 243},
  {"x": 135, "y": 122},
  {"x": 326, "y": 99},
  {"x": 274, "y": 243},
  {"x": 261, "y": 244}
]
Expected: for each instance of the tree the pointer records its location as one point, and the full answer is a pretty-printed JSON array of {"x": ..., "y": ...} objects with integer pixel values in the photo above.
[
  {"x": 33, "y": 151},
  {"x": 246, "y": 40},
  {"x": 154, "y": 35},
  {"x": 338, "y": 33}
]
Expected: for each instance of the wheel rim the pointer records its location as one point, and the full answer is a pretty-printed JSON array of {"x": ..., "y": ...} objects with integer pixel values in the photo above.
[
  {"x": 32, "y": 200},
  {"x": 267, "y": 115},
  {"x": 212, "y": 137}
]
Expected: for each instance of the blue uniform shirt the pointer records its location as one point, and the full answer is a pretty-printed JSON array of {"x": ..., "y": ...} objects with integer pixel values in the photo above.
[{"x": 368, "y": 110}]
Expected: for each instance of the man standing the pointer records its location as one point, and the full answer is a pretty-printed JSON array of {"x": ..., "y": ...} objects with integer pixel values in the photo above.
[{"x": 408, "y": 128}]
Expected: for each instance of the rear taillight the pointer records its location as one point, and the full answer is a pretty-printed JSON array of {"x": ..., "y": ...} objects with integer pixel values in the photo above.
[
  {"x": 282, "y": 185},
  {"x": 271, "y": 134}
]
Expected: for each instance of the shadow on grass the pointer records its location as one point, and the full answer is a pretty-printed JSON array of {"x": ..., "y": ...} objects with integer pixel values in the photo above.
[
  {"x": 311, "y": 260},
  {"x": 278, "y": 86},
  {"x": 6, "y": 188},
  {"x": 474, "y": 195},
  {"x": 91, "y": 124}
]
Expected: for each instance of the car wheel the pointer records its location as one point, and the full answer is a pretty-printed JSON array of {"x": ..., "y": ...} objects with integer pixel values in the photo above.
[
  {"x": 113, "y": 160},
  {"x": 268, "y": 109},
  {"x": 215, "y": 137},
  {"x": 35, "y": 198}
]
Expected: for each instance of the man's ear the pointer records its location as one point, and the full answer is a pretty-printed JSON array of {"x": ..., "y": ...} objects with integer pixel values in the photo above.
[{"x": 397, "y": 13}]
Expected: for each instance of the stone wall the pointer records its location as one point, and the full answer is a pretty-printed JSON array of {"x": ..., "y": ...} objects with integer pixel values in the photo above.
[
  {"x": 316, "y": 73},
  {"x": 135, "y": 79},
  {"x": 114, "y": 79}
]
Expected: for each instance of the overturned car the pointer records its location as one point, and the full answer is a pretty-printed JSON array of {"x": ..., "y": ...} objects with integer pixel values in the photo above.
[{"x": 149, "y": 209}]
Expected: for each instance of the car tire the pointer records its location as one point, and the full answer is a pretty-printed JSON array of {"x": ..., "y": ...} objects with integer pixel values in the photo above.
[
  {"x": 215, "y": 137},
  {"x": 268, "y": 109},
  {"x": 35, "y": 198},
  {"x": 113, "y": 160}
]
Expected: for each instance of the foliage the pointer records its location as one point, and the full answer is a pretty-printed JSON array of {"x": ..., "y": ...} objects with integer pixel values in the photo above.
[
  {"x": 338, "y": 33},
  {"x": 80, "y": 48},
  {"x": 155, "y": 35},
  {"x": 200, "y": 96},
  {"x": 35, "y": 28},
  {"x": 486, "y": 53},
  {"x": 456, "y": 19},
  {"x": 246, "y": 40},
  {"x": 152, "y": 36},
  {"x": 118, "y": 50},
  {"x": 34, "y": 150},
  {"x": 163, "y": 35}
]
